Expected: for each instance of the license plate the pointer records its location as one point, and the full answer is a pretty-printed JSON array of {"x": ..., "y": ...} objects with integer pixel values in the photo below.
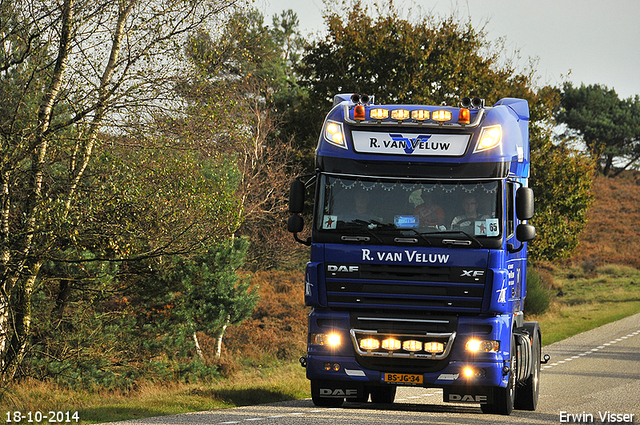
[{"x": 402, "y": 378}]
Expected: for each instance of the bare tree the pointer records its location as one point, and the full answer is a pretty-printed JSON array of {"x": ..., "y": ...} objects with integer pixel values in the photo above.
[{"x": 71, "y": 70}]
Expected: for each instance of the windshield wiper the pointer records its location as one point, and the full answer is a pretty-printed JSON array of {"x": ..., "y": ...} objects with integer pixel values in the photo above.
[
  {"x": 360, "y": 225},
  {"x": 455, "y": 241},
  {"x": 421, "y": 236}
]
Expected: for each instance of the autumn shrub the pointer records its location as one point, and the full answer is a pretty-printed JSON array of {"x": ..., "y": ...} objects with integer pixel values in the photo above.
[{"x": 278, "y": 326}]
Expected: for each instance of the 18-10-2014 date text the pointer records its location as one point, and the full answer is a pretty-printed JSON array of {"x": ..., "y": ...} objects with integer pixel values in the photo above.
[{"x": 52, "y": 417}]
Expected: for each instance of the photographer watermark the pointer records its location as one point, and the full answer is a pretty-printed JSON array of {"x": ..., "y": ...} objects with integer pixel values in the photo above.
[{"x": 605, "y": 417}]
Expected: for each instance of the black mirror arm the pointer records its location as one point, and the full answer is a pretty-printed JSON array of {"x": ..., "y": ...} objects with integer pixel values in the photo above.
[
  {"x": 513, "y": 250},
  {"x": 306, "y": 242}
]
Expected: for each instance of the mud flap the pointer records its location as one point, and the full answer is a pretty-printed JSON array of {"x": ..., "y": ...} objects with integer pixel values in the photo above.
[
  {"x": 337, "y": 389},
  {"x": 467, "y": 395}
]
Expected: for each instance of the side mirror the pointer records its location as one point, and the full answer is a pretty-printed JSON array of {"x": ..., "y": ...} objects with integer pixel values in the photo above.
[
  {"x": 296, "y": 197},
  {"x": 524, "y": 203},
  {"x": 295, "y": 224},
  {"x": 525, "y": 232}
]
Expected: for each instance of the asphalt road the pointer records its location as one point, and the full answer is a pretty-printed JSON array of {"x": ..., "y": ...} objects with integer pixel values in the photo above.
[{"x": 593, "y": 377}]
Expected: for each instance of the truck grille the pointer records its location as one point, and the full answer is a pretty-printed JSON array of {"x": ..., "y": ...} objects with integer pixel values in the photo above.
[{"x": 446, "y": 289}]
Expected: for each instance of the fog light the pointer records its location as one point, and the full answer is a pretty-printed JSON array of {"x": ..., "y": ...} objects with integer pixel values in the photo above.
[
  {"x": 391, "y": 344},
  {"x": 412, "y": 345},
  {"x": 433, "y": 347},
  {"x": 369, "y": 344},
  {"x": 469, "y": 372}
]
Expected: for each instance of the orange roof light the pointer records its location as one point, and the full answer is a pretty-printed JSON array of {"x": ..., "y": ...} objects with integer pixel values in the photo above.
[
  {"x": 464, "y": 117},
  {"x": 358, "y": 112}
]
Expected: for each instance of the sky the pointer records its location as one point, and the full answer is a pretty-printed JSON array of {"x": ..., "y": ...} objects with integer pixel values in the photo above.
[{"x": 582, "y": 41}]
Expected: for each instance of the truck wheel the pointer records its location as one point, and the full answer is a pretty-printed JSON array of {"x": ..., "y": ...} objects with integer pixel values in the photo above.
[
  {"x": 504, "y": 398},
  {"x": 383, "y": 395},
  {"x": 527, "y": 398},
  {"x": 363, "y": 397},
  {"x": 323, "y": 401}
]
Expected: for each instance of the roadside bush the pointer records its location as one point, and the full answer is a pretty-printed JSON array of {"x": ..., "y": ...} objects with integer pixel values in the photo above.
[{"x": 539, "y": 291}]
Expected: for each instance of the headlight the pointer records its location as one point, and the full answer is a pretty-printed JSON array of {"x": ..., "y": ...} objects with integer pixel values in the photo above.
[
  {"x": 331, "y": 339},
  {"x": 490, "y": 137},
  {"x": 475, "y": 345},
  {"x": 334, "y": 134}
]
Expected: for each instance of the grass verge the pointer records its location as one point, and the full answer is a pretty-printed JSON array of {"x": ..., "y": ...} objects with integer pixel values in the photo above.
[
  {"x": 588, "y": 298},
  {"x": 285, "y": 381}
]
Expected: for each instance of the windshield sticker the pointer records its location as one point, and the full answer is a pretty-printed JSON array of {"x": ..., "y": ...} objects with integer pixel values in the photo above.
[
  {"x": 488, "y": 227},
  {"x": 330, "y": 222},
  {"x": 406, "y": 221}
]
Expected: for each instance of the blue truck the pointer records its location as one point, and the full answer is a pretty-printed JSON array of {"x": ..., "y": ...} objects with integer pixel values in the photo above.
[{"x": 418, "y": 266}]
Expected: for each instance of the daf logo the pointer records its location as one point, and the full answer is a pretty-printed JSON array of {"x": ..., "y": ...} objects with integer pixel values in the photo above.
[
  {"x": 466, "y": 398},
  {"x": 472, "y": 273},
  {"x": 342, "y": 269},
  {"x": 327, "y": 392}
]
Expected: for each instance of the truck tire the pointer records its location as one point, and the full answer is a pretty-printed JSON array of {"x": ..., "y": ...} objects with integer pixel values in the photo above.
[
  {"x": 383, "y": 395},
  {"x": 504, "y": 398},
  {"x": 323, "y": 401},
  {"x": 528, "y": 391}
]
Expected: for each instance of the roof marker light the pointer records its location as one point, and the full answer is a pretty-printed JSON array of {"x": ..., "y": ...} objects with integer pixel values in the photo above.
[
  {"x": 441, "y": 115},
  {"x": 379, "y": 113},
  {"x": 400, "y": 114},
  {"x": 420, "y": 114}
]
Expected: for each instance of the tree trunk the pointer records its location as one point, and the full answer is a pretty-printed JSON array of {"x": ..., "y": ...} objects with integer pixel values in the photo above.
[
  {"x": 18, "y": 277},
  {"x": 608, "y": 164},
  {"x": 198, "y": 349},
  {"x": 219, "y": 338},
  {"x": 20, "y": 322}
]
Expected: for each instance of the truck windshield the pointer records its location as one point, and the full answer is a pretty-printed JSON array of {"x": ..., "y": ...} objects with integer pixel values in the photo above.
[{"x": 404, "y": 206}]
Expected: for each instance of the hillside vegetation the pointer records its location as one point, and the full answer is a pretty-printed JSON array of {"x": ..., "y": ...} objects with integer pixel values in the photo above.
[
  {"x": 612, "y": 234},
  {"x": 601, "y": 281}
]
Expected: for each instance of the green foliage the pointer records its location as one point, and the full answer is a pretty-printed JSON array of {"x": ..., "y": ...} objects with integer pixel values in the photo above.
[
  {"x": 242, "y": 97},
  {"x": 609, "y": 126},
  {"x": 539, "y": 292},
  {"x": 108, "y": 334},
  {"x": 400, "y": 61},
  {"x": 562, "y": 180},
  {"x": 213, "y": 294}
]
